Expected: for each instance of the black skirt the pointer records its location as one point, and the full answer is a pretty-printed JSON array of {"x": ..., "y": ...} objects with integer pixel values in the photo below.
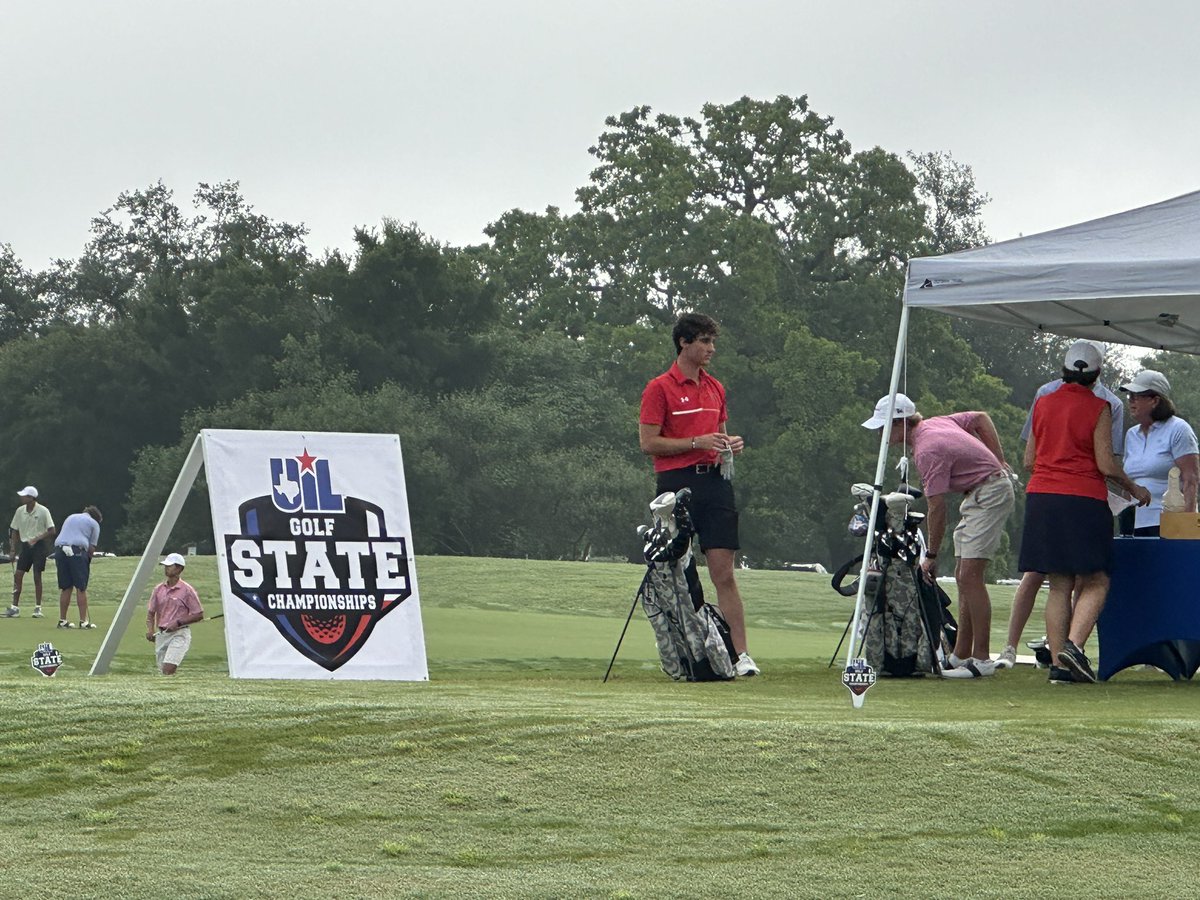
[{"x": 1066, "y": 535}]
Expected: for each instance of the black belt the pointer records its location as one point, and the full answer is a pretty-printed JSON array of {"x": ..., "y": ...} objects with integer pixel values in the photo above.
[{"x": 699, "y": 469}]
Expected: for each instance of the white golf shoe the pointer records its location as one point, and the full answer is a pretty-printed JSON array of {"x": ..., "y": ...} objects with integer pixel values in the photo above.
[
  {"x": 744, "y": 665},
  {"x": 971, "y": 668}
]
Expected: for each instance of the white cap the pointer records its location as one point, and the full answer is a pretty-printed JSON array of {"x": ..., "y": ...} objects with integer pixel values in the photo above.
[
  {"x": 28, "y": 491},
  {"x": 174, "y": 559},
  {"x": 1083, "y": 356},
  {"x": 1148, "y": 381},
  {"x": 904, "y": 409}
]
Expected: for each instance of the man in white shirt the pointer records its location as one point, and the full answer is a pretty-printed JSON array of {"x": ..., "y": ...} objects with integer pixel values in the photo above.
[{"x": 31, "y": 525}]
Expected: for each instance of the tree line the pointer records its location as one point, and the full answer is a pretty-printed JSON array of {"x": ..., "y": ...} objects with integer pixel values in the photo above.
[{"x": 512, "y": 370}]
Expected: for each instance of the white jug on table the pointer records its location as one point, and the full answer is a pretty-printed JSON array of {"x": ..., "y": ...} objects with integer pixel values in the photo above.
[{"x": 1172, "y": 498}]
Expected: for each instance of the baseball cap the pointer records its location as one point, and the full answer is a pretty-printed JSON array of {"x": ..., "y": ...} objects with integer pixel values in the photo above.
[
  {"x": 174, "y": 559},
  {"x": 1149, "y": 381},
  {"x": 28, "y": 491},
  {"x": 904, "y": 409},
  {"x": 1083, "y": 356}
]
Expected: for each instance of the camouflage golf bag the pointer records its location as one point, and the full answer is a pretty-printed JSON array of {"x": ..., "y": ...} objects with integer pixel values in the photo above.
[
  {"x": 692, "y": 636},
  {"x": 908, "y": 628}
]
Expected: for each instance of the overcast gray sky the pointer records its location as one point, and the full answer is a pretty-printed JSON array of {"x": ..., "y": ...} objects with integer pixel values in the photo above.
[{"x": 338, "y": 114}]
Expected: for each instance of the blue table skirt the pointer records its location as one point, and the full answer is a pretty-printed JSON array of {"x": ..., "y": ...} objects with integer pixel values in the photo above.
[{"x": 1152, "y": 616}]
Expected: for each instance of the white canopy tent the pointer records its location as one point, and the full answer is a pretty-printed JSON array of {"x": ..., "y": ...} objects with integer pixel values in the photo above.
[{"x": 1130, "y": 278}]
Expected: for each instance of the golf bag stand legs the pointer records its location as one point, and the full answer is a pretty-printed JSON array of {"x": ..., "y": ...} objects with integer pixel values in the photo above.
[{"x": 628, "y": 619}]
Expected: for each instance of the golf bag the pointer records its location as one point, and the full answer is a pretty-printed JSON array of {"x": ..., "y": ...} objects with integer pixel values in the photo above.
[
  {"x": 908, "y": 629},
  {"x": 692, "y": 636}
]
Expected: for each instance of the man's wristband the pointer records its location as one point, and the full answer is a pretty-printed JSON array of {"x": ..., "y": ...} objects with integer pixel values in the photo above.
[{"x": 929, "y": 555}]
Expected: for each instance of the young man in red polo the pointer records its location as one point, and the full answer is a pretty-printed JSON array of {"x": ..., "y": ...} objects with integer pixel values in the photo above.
[{"x": 682, "y": 425}]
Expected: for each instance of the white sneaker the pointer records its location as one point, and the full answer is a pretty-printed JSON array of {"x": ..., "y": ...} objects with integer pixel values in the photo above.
[
  {"x": 971, "y": 668},
  {"x": 745, "y": 666},
  {"x": 86, "y": 625},
  {"x": 37, "y": 612},
  {"x": 12, "y": 612},
  {"x": 1008, "y": 658}
]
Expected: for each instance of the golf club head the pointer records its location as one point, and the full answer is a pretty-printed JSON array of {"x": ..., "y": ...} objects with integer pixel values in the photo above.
[
  {"x": 897, "y": 509},
  {"x": 662, "y": 508},
  {"x": 858, "y": 524},
  {"x": 861, "y": 491}
]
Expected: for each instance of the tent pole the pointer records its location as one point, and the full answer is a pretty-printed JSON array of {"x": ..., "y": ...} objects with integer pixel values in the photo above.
[{"x": 901, "y": 340}]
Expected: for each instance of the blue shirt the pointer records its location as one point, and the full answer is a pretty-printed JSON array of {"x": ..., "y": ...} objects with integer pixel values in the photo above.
[
  {"x": 1148, "y": 458},
  {"x": 1114, "y": 403},
  {"x": 78, "y": 530}
]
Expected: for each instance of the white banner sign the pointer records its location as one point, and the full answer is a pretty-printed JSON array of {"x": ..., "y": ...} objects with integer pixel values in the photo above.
[{"x": 315, "y": 554}]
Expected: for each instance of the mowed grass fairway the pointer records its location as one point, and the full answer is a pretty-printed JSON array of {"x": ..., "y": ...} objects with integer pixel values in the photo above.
[{"x": 515, "y": 773}]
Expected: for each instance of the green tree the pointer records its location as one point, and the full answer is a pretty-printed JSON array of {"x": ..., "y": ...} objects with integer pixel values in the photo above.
[
  {"x": 162, "y": 312},
  {"x": 78, "y": 402},
  {"x": 538, "y": 266},
  {"x": 540, "y": 463},
  {"x": 407, "y": 309},
  {"x": 1023, "y": 359},
  {"x": 20, "y": 311}
]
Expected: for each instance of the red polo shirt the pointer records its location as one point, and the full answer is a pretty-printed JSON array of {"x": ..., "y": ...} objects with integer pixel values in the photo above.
[
  {"x": 683, "y": 408},
  {"x": 1064, "y": 427}
]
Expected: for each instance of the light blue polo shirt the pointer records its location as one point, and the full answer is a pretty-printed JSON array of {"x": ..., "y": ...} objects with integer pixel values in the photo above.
[
  {"x": 1148, "y": 458},
  {"x": 78, "y": 530}
]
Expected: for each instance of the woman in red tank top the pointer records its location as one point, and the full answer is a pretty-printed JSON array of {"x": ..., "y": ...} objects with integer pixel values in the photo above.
[{"x": 1068, "y": 524}]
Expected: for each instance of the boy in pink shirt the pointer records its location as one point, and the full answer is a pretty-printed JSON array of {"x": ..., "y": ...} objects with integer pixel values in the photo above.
[{"x": 173, "y": 607}]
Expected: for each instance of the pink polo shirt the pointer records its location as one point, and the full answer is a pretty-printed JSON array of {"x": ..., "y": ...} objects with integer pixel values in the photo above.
[
  {"x": 683, "y": 408},
  {"x": 949, "y": 458},
  {"x": 170, "y": 603}
]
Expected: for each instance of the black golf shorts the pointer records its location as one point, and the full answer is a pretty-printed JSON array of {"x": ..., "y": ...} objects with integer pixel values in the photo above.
[
  {"x": 714, "y": 512},
  {"x": 32, "y": 558}
]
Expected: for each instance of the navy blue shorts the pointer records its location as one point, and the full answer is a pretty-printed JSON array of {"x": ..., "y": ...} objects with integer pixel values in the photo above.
[
  {"x": 74, "y": 570},
  {"x": 712, "y": 507},
  {"x": 1066, "y": 535}
]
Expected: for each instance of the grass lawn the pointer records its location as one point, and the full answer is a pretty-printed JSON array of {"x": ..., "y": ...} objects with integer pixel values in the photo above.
[{"x": 515, "y": 773}]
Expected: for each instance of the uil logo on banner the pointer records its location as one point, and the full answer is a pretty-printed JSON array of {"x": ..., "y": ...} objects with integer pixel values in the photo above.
[
  {"x": 320, "y": 567},
  {"x": 858, "y": 677},
  {"x": 46, "y": 659}
]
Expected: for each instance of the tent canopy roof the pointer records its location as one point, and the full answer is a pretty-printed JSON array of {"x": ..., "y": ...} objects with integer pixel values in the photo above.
[{"x": 1129, "y": 278}]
